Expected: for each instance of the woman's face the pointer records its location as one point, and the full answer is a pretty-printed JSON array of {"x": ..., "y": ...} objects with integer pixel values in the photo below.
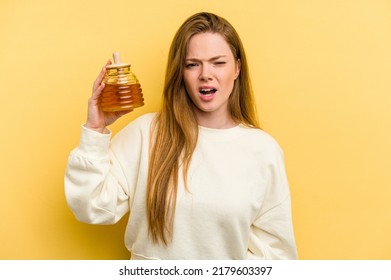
[{"x": 209, "y": 75}]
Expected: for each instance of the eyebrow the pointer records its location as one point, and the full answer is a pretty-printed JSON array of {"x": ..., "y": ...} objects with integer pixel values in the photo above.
[{"x": 210, "y": 59}]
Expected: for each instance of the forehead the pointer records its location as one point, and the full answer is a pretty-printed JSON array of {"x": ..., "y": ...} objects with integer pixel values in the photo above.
[{"x": 206, "y": 45}]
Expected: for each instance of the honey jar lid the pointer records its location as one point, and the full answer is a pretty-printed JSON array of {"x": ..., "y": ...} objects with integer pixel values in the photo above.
[{"x": 117, "y": 62}]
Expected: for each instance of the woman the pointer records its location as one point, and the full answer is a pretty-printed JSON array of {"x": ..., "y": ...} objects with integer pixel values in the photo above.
[{"x": 200, "y": 179}]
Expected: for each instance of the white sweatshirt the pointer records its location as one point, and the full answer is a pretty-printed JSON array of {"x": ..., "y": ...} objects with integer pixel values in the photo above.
[{"x": 237, "y": 207}]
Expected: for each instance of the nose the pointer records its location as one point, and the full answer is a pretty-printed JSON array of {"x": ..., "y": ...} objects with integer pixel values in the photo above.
[{"x": 205, "y": 73}]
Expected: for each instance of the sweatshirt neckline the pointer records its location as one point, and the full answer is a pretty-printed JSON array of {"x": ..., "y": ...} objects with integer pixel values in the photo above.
[{"x": 220, "y": 133}]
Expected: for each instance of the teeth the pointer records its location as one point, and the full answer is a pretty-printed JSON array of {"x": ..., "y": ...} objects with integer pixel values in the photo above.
[{"x": 207, "y": 91}]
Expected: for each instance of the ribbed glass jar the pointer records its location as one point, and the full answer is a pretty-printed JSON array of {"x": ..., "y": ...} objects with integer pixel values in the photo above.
[{"x": 122, "y": 90}]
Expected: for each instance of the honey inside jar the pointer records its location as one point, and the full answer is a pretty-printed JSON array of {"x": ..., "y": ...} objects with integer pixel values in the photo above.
[{"x": 122, "y": 90}]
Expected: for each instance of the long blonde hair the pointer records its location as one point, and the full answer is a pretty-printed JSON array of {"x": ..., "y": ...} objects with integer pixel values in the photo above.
[{"x": 175, "y": 130}]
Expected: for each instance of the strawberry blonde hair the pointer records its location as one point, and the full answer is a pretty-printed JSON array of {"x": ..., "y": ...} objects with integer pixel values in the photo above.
[{"x": 175, "y": 128}]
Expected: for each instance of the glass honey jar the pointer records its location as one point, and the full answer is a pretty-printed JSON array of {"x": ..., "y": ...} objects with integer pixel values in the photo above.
[{"x": 122, "y": 90}]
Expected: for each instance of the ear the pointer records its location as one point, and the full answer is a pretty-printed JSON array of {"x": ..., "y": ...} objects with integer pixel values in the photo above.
[{"x": 238, "y": 65}]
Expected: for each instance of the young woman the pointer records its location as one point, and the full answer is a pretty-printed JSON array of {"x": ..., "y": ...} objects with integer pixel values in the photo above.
[{"x": 200, "y": 179}]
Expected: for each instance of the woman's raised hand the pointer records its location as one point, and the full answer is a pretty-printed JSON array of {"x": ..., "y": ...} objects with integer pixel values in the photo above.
[{"x": 97, "y": 119}]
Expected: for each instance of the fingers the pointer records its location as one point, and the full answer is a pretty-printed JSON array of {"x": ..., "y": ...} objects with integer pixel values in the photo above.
[
  {"x": 99, "y": 85},
  {"x": 95, "y": 94},
  {"x": 100, "y": 77}
]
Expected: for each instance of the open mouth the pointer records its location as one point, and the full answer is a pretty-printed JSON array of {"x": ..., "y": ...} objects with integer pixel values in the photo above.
[{"x": 207, "y": 91}]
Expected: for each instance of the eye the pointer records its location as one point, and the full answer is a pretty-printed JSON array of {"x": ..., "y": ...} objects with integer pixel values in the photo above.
[
  {"x": 220, "y": 62},
  {"x": 191, "y": 65}
]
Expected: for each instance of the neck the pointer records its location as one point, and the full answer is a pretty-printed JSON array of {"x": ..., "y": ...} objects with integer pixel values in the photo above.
[{"x": 216, "y": 121}]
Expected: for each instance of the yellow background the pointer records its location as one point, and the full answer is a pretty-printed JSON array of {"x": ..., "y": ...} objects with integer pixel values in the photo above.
[{"x": 321, "y": 75}]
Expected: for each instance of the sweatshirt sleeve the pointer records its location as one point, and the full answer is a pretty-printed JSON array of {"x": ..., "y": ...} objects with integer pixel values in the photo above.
[
  {"x": 95, "y": 185},
  {"x": 271, "y": 235}
]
